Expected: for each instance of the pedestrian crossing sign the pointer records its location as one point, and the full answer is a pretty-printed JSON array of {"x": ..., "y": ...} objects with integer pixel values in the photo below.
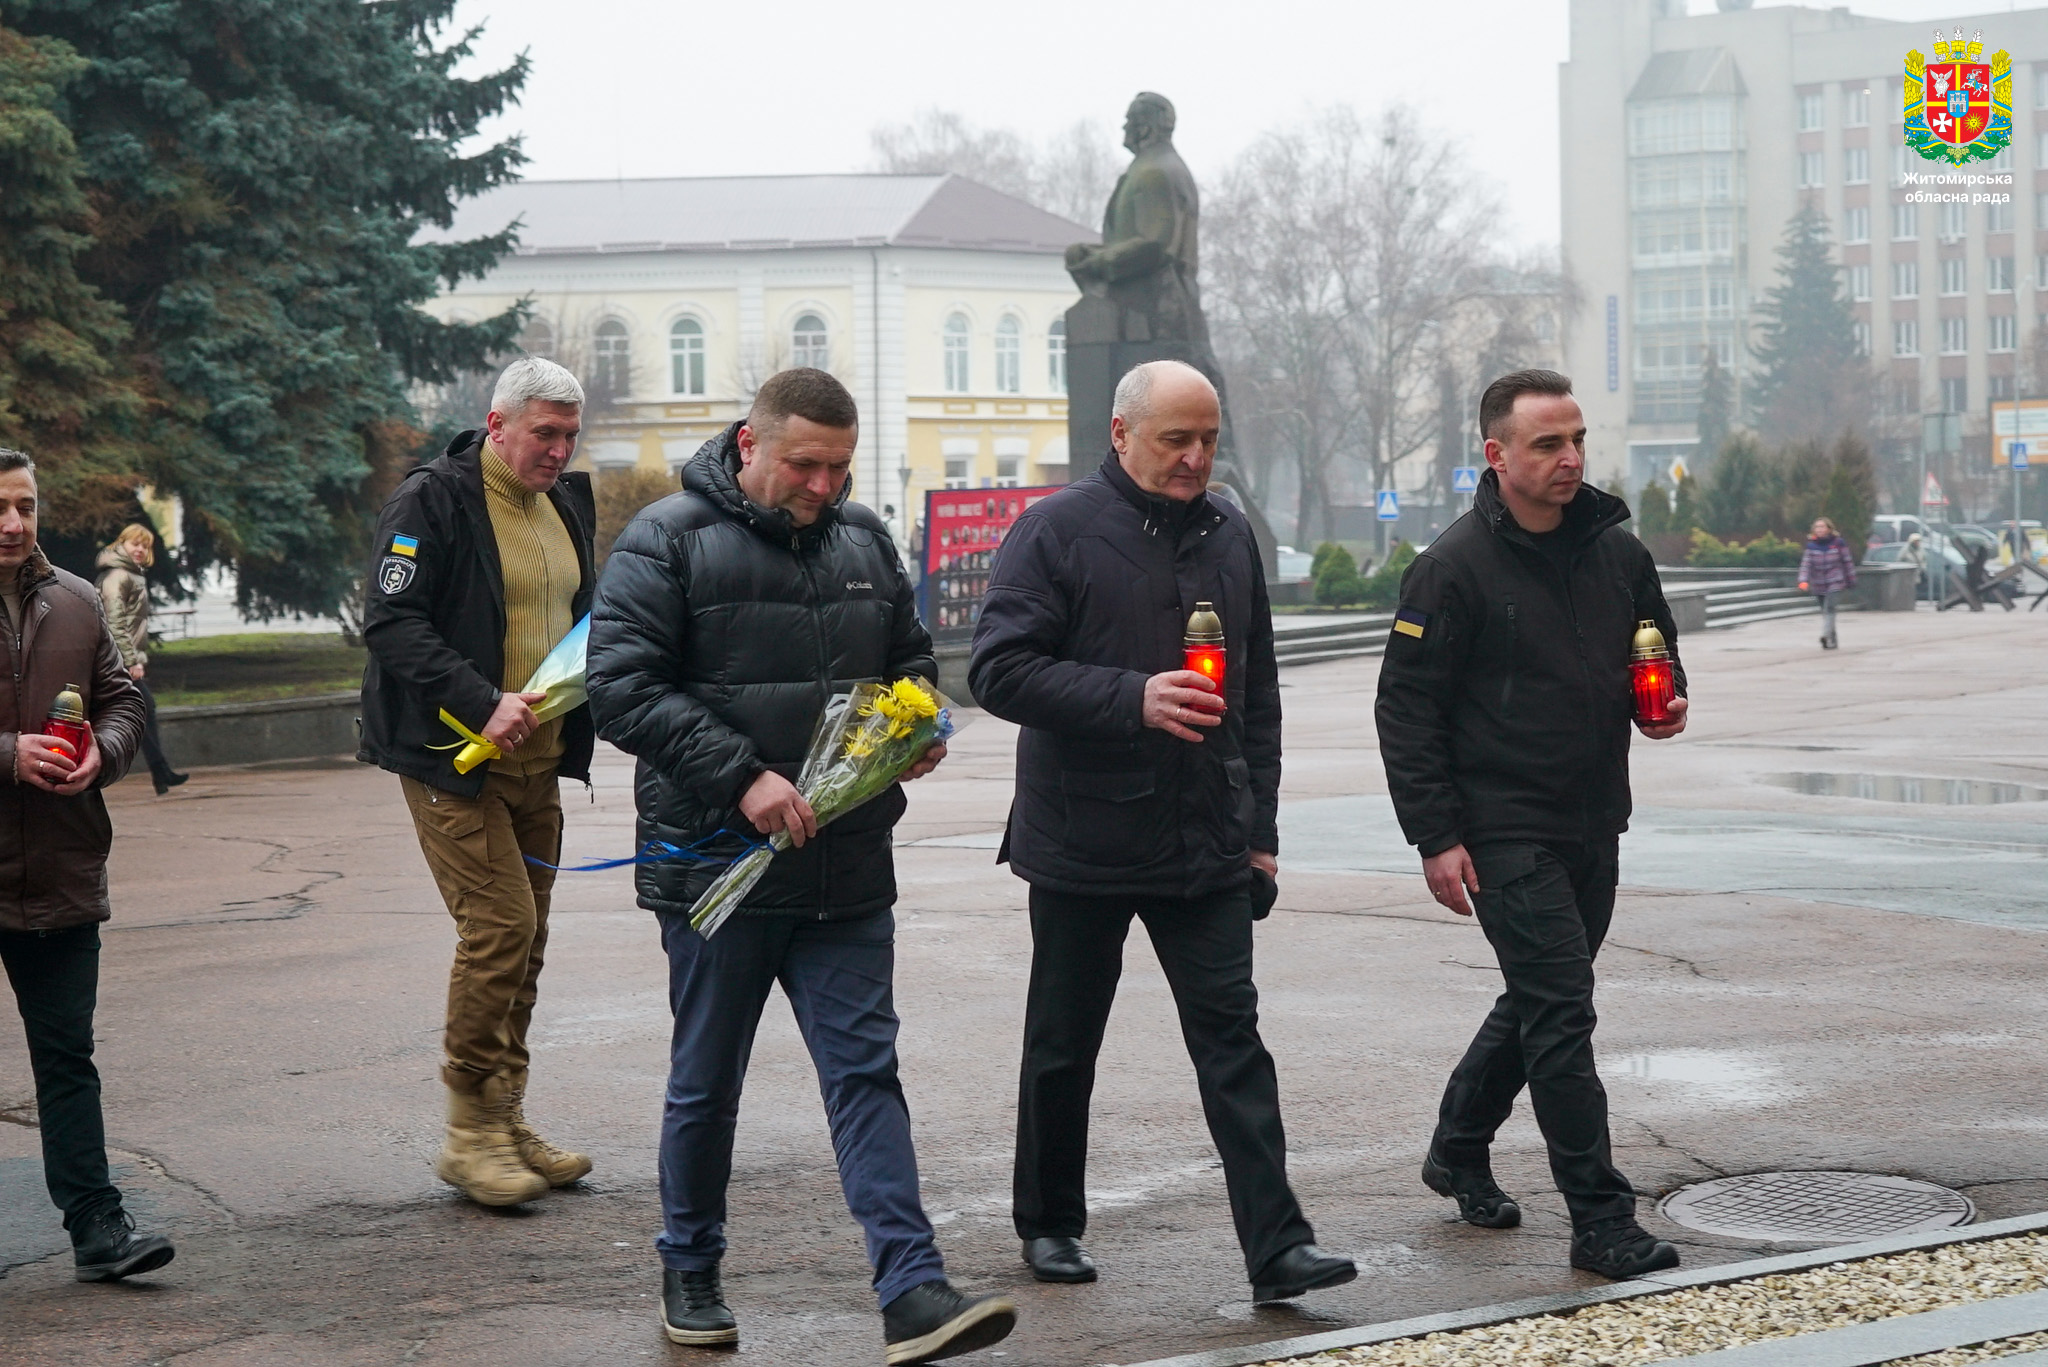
[
  {"x": 1389, "y": 505},
  {"x": 1464, "y": 479}
]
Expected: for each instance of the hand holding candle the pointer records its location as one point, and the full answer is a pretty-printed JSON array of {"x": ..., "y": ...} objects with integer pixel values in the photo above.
[
  {"x": 1651, "y": 677},
  {"x": 1202, "y": 646}
]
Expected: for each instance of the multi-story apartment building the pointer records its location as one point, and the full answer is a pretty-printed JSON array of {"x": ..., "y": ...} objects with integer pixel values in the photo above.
[
  {"x": 939, "y": 301},
  {"x": 1689, "y": 142}
]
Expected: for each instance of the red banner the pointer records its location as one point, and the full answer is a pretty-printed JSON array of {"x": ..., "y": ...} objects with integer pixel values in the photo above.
[{"x": 962, "y": 528}]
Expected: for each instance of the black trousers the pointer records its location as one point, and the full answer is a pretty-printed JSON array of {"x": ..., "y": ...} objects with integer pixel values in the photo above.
[
  {"x": 1545, "y": 909},
  {"x": 152, "y": 740},
  {"x": 55, "y": 974},
  {"x": 1205, "y": 948}
]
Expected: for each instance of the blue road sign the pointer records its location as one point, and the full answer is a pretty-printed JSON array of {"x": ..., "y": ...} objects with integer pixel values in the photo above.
[
  {"x": 1389, "y": 505},
  {"x": 2017, "y": 453},
  {"x": 1464, "y": 479}
]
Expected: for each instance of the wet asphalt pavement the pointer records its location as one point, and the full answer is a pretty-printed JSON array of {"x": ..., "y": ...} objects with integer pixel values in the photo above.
[{"x": 1794, "y": 980}]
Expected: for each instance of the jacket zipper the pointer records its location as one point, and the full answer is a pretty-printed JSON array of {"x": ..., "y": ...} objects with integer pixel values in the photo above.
[
  {"x": 1507, "y": 688},
  {"x": 824, "y": 696}
]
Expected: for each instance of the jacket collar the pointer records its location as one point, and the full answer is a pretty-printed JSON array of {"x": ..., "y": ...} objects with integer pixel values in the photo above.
[
  {"x": 1588, "y": 515},
  {"x": 713, "y": 473},
  {"x": 1160, "y": 514},
  {"x": 35, "y": 572}
]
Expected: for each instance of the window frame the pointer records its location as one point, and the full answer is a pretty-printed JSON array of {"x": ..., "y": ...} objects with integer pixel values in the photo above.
[
  {"x": 810, "y": 346},
  {"x": 1009, "y": 340},
  {"x": 688, "y": 369},
  {"x": 956, "y": 353}
]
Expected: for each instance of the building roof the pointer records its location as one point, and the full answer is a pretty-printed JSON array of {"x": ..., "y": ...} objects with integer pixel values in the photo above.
[
  {"x": 1690, "y": 71},
  {"x": 761, "y": 213}
]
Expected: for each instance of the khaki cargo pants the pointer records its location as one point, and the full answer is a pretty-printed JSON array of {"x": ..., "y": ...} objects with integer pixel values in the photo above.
[{"x": 476, "y": 848}]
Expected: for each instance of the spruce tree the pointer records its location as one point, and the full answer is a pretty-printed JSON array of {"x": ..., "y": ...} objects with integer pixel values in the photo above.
[
  {"x": 260, "y": 170},
  {"x": 1717, "y": 409},
  {"x": 1811, "y": 382},
  {"x": 1739, "y": 497}
]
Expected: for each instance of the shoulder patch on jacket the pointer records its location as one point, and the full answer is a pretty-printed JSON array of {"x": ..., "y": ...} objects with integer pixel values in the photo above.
[
  {"x": 1409, "y": 622},
  {"x": 405, "y": 545},
  {"x": 395, "y": 574}
]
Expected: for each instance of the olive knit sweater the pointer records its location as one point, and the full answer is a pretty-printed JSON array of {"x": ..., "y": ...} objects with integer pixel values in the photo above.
[{"x": 538, "y": 559}]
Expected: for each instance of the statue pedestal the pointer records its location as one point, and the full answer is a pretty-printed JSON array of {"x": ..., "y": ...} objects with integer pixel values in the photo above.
[{"x": 1098, "y": 355}]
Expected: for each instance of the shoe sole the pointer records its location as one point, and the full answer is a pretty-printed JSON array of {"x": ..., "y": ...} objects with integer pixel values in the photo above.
[
  {"x": 700, "y": 1338},
  {"x": 1660, "y": 1263},
  {"x": 988, "y": 1322},
  {"x": 489, "y": 1199},
  {"x": 1267, "y": 1295},
  {"x": 1438, "y": 1180},
  {"x": 1059, "y": 1278},
  {"x": 149, "y": 1260}
]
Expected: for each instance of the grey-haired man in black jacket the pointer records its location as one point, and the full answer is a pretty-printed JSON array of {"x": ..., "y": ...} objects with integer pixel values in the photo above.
[
  {"x": 1504, "y": 713},
  {"x": 1143, "y": 791}
]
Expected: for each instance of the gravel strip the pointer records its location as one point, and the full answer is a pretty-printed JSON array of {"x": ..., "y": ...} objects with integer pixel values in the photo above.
[
  {"x": 1983, "y": 1352},
  {"x": 1674, "y": 1324}
]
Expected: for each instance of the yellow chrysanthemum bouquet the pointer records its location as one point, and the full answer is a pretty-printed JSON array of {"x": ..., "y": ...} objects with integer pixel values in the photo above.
[{"x": 864, "y": 742}]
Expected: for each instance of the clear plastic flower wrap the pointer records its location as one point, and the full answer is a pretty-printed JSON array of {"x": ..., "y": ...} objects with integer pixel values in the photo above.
[
  {"x": 865, "y": 741},
  {"x": 560, "y": 676}
]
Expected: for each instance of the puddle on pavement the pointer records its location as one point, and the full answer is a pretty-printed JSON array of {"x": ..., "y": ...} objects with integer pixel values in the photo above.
[
  {"x": 1938, "y": 792},
  {"x": 1721, "y": 1077}
]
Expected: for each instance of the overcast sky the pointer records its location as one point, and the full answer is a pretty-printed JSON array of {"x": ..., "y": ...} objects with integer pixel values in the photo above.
[{"x": 640, "y": 88}]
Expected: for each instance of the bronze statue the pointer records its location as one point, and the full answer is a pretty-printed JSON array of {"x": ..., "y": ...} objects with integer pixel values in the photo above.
[{"x": 1140, "y": 296}]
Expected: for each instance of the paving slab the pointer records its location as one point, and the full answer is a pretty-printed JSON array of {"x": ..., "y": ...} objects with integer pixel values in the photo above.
[{"x": 273, "y": 984}]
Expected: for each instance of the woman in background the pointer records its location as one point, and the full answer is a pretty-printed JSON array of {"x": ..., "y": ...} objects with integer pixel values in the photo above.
[
  {"x": 125, "y": 593},
  {"x": 1827, "y": 570}
]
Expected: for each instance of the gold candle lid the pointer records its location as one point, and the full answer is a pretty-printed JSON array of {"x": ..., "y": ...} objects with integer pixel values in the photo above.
[
  {"x": 1205, "y": 628},
  {"x": 1649, "y": 642},
  {"x": 69, "y": 706}
]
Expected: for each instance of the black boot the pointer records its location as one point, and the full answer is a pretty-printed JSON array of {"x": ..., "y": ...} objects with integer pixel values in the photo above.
[
  {"x": 693, "y": 1309},
  {"x": 1619, "y": 1249},
  {"x": 166, "y": 779},
  {"x": 1480, "y": 1200},
  {"x": 1300, "y": 1269},
  {"x": 105, "y": 1247},
  {"x": 1059, "y": 1260},
  {"x": 934, "y": 1321}
]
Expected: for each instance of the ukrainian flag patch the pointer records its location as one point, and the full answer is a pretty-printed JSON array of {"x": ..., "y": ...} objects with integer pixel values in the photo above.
[
  {"x": 405, "y": 545},
  {"x": 1409, "y": 622}
]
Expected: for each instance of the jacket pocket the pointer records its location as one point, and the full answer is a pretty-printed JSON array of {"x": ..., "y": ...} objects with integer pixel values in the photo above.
[
  {"x": 454, "y": 837},
  {"x": 1111, "y": 817},
  {"x": 1237, "y": 773}
]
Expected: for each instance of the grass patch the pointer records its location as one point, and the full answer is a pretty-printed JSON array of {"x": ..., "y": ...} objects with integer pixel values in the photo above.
[{"x": 255, "y": 666}]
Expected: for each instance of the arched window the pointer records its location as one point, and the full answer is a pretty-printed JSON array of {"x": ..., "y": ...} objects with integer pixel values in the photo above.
[
  {"x": 686, "y": 357},
  {"x": 808, "y": 344},
  {"x": 611, "y": 360},
  {"x": 1056, "y": 355},
  {"x": 538, "y": 339},
  {"x": 1009, "y": 355},
  {"x": 956, "y": 354}
]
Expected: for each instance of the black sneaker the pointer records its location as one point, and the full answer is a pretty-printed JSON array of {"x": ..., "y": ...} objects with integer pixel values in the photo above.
[
  {"x": 1619, "y": 1249},
  {"x": 1480, "y": 1200},
  {"x": 105, "y": 1247},
  {"x": 693, "y": 1309},
  {"x": 935, "y": 1321}
]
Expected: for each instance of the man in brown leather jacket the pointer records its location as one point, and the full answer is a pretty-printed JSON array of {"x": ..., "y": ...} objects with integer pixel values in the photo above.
[{"x": 54, "y": 836}]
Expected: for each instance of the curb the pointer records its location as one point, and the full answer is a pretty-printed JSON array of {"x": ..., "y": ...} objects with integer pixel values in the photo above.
[{"x": 1452, "y": 1321}]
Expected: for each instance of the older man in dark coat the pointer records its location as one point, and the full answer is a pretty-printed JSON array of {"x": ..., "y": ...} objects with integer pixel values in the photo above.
[{"x": 1142, "y": 791}]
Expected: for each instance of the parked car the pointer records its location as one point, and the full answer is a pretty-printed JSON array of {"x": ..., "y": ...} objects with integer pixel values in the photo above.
[
  {"x": 1893, "y": 528},
  {"x": 1892, "y": 552},
  {"x": 1291, "y": 566}
]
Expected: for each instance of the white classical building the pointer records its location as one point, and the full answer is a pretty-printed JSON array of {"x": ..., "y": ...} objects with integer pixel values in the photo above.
[{"x": 939, "y": 301}]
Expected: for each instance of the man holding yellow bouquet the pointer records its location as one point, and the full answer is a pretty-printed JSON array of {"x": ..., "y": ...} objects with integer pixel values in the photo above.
[{"x": 483, "y": 565}]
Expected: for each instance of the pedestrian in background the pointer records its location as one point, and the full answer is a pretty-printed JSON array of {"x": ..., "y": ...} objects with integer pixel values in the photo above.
[
  {"x": 484, "y": 564},
  {"x": 1827, "y": 570},
  {"x": 1504, "y": 712},
  {"x": 1143, "y": 791},
  {"x": 124, "y": 593},
  {"x": 54, "y": 839},
  {"x": 727, "y": 617}
]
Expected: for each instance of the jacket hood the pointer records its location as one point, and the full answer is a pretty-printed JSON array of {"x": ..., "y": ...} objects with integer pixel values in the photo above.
[
  {"x": 713, "y": 473},
  {"x": 113, "y": 558},
  {"x": 1586, "y": 516}
]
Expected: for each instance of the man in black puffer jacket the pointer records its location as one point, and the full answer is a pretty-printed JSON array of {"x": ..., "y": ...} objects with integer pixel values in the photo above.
[
  {"x": 1142, "y": 791},
  {"x": 726, "y": 617}
]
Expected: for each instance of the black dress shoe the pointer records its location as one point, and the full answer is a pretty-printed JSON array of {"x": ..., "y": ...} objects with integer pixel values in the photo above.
[
  {"x": 693, "y": 1309},
  {"x": 1300, "y": 1269},
  {"x": 1480, "y": 1200},
  {"x": 1059, "y": 1260},
  {"x": 105, "y": 1247},
  {"x": 934, "y": 1321},
  {"x": 1619, "y": 1249}
]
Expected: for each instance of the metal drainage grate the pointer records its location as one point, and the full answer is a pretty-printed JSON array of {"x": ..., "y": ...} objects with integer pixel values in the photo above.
[{"x": 1815, "y": 1207}]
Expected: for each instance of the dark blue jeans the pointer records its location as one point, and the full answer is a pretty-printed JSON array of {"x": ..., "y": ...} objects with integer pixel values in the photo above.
[
  {"x": 56, "y": 976},
  {"x": 837, "y": 976}
]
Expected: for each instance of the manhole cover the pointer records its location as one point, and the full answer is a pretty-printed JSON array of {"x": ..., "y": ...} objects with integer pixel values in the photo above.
[{"x": 1815, "y": 1207}]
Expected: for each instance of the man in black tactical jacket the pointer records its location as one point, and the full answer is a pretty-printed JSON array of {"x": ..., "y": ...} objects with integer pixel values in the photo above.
[
  {"x": 1141, "y": 791},
  {"x": 726, "y": 617},
  {"x": 1504, "y": 714}
]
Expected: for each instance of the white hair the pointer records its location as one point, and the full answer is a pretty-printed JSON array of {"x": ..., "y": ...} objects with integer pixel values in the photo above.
[
  {"x": 530, "y": 378},
  {"x": 1133, "y": 402}
]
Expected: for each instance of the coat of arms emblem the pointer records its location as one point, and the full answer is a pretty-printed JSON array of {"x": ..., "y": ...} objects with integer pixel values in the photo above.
[{"x": 1958, "y": 109}]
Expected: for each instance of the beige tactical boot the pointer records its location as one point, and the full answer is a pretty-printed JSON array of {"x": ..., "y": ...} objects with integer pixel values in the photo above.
[
  {"x": 478, "y": 1157},
  {"x": 559, "y": 1166}
]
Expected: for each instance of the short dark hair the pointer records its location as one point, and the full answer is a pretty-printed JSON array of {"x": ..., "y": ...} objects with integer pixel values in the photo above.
[
  {"x": 15, "y": 460},
  {"x": 802, "y": 393},
  {"x": 1498, "y": 402}
]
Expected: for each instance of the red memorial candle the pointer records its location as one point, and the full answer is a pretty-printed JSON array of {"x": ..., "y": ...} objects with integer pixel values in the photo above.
[
  {"x": 67, "y": 721},
  {"x": 1202, "y": 647},
  {"x": 1650, "y": 676}
]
